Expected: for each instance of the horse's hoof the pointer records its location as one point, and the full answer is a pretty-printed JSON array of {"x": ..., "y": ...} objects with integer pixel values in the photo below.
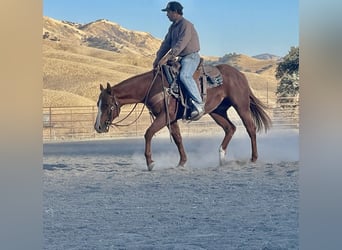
[
  {"x": 222, "y": 154},
  {"x": 181, "y": 164},
  {"x": 150, "y": 166},
  {"x": 181, "y": 167}
]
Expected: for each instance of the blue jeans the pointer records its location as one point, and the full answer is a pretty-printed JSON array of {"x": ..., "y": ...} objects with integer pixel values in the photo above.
[{"x": 189, "y": 65}]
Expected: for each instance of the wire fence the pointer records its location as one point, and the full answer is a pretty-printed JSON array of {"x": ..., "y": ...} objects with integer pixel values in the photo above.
[{"x": 77, "y": 123}]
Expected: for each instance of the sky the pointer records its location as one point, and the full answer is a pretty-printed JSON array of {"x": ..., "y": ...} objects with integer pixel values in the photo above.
[{"x": 249, "y": 27}]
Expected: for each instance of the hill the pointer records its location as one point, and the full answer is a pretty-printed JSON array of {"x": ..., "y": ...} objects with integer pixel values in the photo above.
[
  {"x": 267, "y": 56},
  {"x": 55, "y": 98},
  {"x": 102, "y": 34},
  {"x": 78, "y": 57},
  {"x": 248, "y": 64}
]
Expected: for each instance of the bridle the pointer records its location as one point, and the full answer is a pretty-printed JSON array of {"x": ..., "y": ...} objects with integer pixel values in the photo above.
[{"x": 116, "y": 106}]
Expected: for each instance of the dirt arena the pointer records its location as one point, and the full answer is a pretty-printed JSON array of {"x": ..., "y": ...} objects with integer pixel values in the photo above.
[{"x": 99, "y": 194}]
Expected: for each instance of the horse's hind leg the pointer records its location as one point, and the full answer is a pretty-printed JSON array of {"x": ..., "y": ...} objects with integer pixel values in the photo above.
[
  {"x": 229, "y": 129},
  {"x": 177, "y": 137},
  {"x": 246, "y": 117}
]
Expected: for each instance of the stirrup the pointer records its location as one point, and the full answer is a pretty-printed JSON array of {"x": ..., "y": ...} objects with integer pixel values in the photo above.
[
  {"x": 198, "y": 112},
  {"x": 196, "y": 115}
]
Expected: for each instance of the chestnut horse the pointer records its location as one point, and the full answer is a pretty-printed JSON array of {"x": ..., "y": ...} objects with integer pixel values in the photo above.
[{"x": 149, "y": 88}]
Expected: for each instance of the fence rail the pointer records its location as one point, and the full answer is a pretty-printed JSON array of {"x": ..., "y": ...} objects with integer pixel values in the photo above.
[{"x": 76, "y": 123}]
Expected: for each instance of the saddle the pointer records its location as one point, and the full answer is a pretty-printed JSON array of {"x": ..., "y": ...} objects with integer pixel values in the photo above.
[{"x": 206, "y": 76}]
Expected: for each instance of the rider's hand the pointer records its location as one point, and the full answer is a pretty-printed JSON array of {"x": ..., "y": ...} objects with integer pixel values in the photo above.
[
  {"x": 172, "y": 60},
  {"x": 165, "y": 59}
]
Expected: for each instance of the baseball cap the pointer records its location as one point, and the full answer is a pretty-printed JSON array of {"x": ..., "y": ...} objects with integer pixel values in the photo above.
[{"x": 173, "y": 6}]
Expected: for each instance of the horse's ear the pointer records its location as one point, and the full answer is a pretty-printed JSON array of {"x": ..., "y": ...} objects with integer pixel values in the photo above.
[
  {"x": 109, "y": 88},
  {"x": 101, "y": 87}
]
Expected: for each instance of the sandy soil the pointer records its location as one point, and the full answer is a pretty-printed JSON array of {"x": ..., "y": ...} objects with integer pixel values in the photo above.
[{"x": 99, "y": 195}]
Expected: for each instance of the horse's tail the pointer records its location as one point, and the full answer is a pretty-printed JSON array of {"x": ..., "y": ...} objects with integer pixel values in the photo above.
[{"x": 260, "y": 117}]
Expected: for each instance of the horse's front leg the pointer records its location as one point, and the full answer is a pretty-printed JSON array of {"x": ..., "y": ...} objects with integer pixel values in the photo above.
[
  {"x": 156, "y": 125},
  {"x": 177, "y": 137}
]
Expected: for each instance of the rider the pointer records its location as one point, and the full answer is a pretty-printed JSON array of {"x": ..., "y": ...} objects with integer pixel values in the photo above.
[{"x": 182, "y": 41}]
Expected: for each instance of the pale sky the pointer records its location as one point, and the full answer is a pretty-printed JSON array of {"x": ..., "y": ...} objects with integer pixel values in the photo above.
[{"x": 248, "y": 27}]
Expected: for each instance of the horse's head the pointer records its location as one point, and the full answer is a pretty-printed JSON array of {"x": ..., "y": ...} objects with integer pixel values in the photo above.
[{"x": 108, "y": 109}]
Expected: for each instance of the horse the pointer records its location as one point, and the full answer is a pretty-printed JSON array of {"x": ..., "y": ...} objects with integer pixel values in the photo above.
[{"x": 149, "y": 88}]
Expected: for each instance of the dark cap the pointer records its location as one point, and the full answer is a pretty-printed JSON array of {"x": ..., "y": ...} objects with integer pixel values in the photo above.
[{"x": 173, "y": 6}]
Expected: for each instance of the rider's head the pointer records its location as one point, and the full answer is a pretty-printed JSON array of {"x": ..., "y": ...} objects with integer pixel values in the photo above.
[{"x": 175, "y": 7}]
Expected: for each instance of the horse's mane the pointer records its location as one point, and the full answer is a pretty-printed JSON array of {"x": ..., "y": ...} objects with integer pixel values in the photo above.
[{"x": 141, "y": 77}]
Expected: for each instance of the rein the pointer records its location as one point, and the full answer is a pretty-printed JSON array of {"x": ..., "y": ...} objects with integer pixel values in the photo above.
[
  {"x": 117, "y": 124},
  {"x": 128, "y": 124}
]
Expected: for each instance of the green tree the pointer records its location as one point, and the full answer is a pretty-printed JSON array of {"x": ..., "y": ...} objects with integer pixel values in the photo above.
[{"x": 287, "y": 73}]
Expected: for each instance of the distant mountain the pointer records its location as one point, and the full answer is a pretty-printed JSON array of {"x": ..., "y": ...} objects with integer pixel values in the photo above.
[
  {"x": 247, "y": 63},
  {"x": 101, "y": 34},
  {"x": 266, "y": 56}
]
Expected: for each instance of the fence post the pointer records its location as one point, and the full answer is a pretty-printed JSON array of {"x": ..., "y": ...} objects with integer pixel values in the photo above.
[
  {"x": 136, "y": 123},
  {"x": 72, "y": 123},
  {"x": 267, "y": 94},
  {"x": 50, "y": 122},
  {"x": 93, "y": 116}
]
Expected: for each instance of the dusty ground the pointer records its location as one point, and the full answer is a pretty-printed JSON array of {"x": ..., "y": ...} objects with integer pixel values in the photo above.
[{"x": 99, "y": 195}]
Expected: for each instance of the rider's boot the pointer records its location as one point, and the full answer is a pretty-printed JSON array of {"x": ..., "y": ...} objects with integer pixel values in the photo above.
[{"x": 198, "y": 110}]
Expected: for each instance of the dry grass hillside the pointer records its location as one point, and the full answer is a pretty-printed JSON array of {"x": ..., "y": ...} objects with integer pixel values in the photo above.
[
  {"x": 111, "y": 36},
  {"x": 77, "y": 58},
  {"x": 80, "y": 70},
  {"x": 55, "y": 98}
]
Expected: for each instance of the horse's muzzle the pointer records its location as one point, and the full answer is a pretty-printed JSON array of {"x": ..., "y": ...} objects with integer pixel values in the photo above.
[{"x": 101, "y": 129}]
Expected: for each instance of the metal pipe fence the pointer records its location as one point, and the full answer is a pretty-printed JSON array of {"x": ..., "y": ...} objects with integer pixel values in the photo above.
[{"x": 77, "y": 123}]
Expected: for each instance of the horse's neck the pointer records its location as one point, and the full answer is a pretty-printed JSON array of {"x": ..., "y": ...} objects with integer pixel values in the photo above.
[
  {"x": 132, "y": 90},
  {"x": 126, "y": 95}
]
